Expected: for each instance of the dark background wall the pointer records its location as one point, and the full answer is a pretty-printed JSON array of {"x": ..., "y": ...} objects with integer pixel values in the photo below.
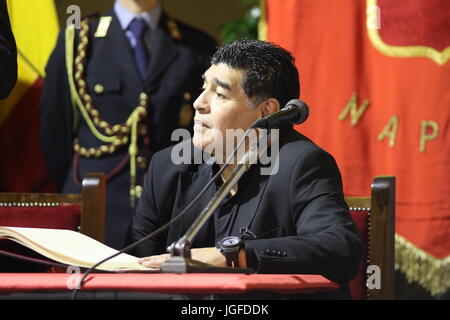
[{"x": 207, "y": 15}]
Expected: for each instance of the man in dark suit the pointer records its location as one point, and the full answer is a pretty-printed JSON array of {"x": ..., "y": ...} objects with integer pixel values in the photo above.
[
  {"x": 8, "y": 54},
  {"x": 114, "y": 93},
  {"x": 298, "y": 214}
]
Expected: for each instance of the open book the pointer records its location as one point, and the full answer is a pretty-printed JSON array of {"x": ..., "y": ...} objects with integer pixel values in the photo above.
[{"x": 71, "y": 248}]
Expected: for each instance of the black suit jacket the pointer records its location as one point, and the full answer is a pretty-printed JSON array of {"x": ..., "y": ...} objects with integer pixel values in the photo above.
[
  {"x": 8, "y": 54},
  {"x": 172, "y": 83},
  {"x": 299, "y": 214}
]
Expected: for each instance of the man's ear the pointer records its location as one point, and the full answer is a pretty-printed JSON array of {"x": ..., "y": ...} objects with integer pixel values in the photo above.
[{"x": 270, "y": 106}]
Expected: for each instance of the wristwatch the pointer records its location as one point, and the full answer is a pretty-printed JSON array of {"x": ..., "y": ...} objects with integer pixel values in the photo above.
[{"x": 230, "y": 247}]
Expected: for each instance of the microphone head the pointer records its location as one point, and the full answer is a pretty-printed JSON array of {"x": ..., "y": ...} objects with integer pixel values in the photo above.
[
  {"x": 302, "y": 107},
  {"x": 294, "y": 112}
]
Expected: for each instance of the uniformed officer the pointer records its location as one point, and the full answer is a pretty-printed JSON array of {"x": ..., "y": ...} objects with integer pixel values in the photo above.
[{"x": 115, "y": 91}]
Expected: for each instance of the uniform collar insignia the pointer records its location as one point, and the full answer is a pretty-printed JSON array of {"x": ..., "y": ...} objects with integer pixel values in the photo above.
[
  {"x": 173, "y": 29},
  {"x": 103, "y": 27}
]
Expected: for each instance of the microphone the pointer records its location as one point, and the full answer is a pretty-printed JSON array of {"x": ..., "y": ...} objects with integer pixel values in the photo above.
[{"x": 295, "y": 112}]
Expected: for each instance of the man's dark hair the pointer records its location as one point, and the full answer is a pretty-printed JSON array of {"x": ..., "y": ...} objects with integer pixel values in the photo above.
[{"x": 269, "y": 70}]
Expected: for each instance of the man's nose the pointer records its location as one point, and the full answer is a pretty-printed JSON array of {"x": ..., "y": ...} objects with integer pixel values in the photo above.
[{"x": 201, "y": 104}]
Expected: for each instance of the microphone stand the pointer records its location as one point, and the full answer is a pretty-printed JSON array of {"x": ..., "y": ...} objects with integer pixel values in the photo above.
[{"x": 180, "y": 260}]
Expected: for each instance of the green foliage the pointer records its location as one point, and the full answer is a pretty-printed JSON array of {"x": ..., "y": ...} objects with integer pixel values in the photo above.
[
  {"x": 247, "y": 27},
  {"x": 250, "y": 2}
]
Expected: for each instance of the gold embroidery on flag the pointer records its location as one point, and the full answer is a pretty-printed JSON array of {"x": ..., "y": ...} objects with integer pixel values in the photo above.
[
  {"x": 390, "y": 131},
  {"x": 424, "y": 136},
  {"x": 439, "y": 57},
  {"x": 355, "y": 111}
]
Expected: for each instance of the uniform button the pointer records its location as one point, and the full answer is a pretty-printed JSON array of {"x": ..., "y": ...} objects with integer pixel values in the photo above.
[
  {"x": 274, "y": 252},
  {"x": 284, "y": 254},
  {"x": 143, "y": 96},
  {"x": 138, "y": 190},
  {"x": 142, "y": 162},
  {"x": 279, "y": 253},
  {"x": 268, "y": 252},
  {"x": 98, "y": 88}
]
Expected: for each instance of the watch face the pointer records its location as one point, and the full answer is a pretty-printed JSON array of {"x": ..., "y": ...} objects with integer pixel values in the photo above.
[{"x": 230, "y": 241}]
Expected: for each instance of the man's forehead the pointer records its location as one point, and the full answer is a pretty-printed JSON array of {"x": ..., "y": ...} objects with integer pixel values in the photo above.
[{"x": 223, "y": 74}]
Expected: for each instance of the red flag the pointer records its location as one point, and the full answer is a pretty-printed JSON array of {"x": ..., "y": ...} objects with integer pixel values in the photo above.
[{"x": 376, "y": 76}]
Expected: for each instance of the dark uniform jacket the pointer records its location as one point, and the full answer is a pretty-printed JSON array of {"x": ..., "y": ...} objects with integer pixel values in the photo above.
[
  {"x": 298, "y": 215},
  {"x": 8, "y": 54},
  {"x": 179, "y": 56}
]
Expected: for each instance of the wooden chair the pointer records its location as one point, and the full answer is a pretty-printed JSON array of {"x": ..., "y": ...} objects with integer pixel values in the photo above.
[
  {"x": 375, "y": 217},
  {"x": 83, "y": 212}
]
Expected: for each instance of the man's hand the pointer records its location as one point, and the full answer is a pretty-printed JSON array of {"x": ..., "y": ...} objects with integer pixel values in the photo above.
[{"x": 207, "y": 255}]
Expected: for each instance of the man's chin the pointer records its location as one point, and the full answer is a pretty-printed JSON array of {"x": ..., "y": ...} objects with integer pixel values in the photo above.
[
  {"x": 199, "y": 142},
  {"x": 206, "y": 146}
]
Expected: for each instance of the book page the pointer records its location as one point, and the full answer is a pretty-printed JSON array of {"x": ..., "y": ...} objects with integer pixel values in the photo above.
[{"x": 71, "y": 248}]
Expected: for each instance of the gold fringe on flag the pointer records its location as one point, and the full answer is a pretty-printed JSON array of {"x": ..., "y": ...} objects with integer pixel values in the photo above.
[{"x": 431, "y": 273}]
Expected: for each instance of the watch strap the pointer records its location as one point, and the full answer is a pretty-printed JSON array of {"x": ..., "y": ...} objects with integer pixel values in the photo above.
[{"x": 232, "y": 259}]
